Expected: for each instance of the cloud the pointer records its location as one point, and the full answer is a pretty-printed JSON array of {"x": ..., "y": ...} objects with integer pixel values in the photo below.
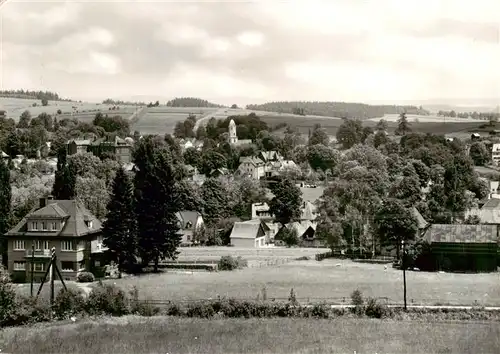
[{"x": 223, "y": 51}]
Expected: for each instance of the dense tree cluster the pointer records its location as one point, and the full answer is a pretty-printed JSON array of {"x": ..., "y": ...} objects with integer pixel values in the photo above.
[
  {"x": 336, "y": 109},
  {"x": 39, "y": 95},
  {"x": 124, "y": 103},
  {"x": 191, "y": 102}
]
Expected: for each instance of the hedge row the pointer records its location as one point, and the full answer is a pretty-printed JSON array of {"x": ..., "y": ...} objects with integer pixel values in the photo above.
[{"x": 111, "y": 300}]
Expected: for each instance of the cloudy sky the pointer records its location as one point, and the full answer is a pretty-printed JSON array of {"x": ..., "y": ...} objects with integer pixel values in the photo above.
[{"x": 350, "y": 50}]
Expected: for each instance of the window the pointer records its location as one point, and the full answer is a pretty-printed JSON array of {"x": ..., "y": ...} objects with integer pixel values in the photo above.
[
  {"x": 39, "y": 267},
  {"x": 34, "y": 226},
  {"x": 66, "y": 245},
  {"x": 41, "y": 245},
  {"x": 44, "y": 226},
  {"x": 19, "y": 265},
  {"x": 53, "y": 226},
  {"x": 188, "y": 238},
  {"x": 88, "y": 223},
  {"x": 19, "y": 245},
  {"x": 67, "y": 266},
  {"x": 97, "y": 263},
  {"x": 189, "y": 225}
]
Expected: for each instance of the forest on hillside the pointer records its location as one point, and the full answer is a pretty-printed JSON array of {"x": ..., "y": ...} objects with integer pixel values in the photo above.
[
  {"x": 336, "y": 109},
  {"x": 192, "y": 102},
  {"x": 36, "y": 95}
]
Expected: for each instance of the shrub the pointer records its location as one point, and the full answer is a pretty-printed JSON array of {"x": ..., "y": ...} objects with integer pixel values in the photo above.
[
  {"x": 107, "y": 299},
  {"x": 320, "y": 311},
  {"x": 85, "y": 277},
  {"x": 230, "y": 263},
  {"x": 7, "y": 296},
  {"x": 293, "y": 298},
  {"x": 303, "y": 258},
  {"x": 141, "y": 308},
  {"x": 28, "y": 311},
  {"x": 357, "y": 301},
  {"x": 201, "y": 310},
  {"x": 375, "y": 309},
  {"x": 68, "y": 303}
]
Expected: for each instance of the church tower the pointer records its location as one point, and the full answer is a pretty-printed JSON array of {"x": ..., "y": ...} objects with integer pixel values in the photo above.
[{"x": 233, "y": 138}]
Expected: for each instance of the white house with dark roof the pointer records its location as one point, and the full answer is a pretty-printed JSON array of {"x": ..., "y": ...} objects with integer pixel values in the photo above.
[
  {"x": 189, "y": 222},
  {"x": 250, "y": 234}
]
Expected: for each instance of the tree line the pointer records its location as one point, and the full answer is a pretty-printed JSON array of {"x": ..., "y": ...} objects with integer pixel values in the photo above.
[
  {"x": 336, "y": 109},
  {"x": 27, "y": 94},
  {"x": 192, "y": 102}
]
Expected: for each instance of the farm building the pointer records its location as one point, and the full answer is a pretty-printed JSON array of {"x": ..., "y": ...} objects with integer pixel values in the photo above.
[
  {"x": 250, "y": 234},
  {"x": 458, "y": 247}
]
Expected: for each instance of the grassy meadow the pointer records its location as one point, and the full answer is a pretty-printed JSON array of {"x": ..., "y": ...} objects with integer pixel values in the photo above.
[
  {"x": 331, "y": 125},
  {"x": 161, "y": 120},
  {"x": 331, "y": 280},
  {"x": 84, "y": 111},
  {"x": 159, "y": 334}
]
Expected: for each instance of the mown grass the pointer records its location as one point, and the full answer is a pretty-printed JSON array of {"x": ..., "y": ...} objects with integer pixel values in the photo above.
[
  {"x": 331, "y": 279},
  {"x": 132, "y": 334}
]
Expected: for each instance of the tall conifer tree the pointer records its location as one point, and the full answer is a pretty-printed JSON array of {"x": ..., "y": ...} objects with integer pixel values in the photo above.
[
  {"x": 120, "y": 226},
  {"x": 158, "y": 229},
  {"x": 5, "y": 199}
]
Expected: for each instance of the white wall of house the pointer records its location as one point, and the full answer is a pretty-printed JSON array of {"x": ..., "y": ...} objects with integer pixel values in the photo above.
[{"x": 248, "y": 242}]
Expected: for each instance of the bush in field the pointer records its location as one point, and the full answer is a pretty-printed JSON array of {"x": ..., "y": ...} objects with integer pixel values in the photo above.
[
  {"x": 375, "y": 309},
  {"x": 28, "y": 311},
  {"x": 107, "y": 300},
  {"x": 231, "y": 263},
  {"x": 7, "y": 296},
  {"x": 141, "y": 308},
  {"x": 68, "y": 303},
  {"x": 85, "y": 277},
  {"x": 358, "y": 302}
]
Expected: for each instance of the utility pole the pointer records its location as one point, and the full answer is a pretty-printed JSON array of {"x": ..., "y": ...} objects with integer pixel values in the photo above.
[
  {"x": 53, "y": 276},
  {"x": 403, "y": 264},
  {"x": 32, "y": 266},
  {"x": 52, "y": 269}
]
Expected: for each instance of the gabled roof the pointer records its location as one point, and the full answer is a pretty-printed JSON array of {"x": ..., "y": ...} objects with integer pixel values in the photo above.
[
  {"x": 308, "y": 211},
  {"x": 421, "y": 223},
  {"x": 492, "y": 204},
  {"x": 247, "y": 229},
  {"x": 460, "y": 233},
  {"x": 251, "y": 160},
  {"x": 72, "y": 212},
  {"x": 187, "y": 216}
]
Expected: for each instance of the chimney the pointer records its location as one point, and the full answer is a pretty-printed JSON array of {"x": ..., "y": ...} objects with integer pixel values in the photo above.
[{"x": 42, "y": 202}]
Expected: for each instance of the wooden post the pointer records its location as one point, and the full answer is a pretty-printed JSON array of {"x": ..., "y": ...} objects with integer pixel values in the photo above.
[
  {"x": 32, "y": 266},
  {"x": 403, "y": 264},
  {"x": 53, "y": 276}
]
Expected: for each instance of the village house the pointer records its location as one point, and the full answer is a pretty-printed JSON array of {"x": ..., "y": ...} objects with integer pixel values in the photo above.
[
  {"x": 65, "y": 225},
  {"x": 189, "y": 223},
  {"x": 120, "y": 148},
  {"x": 495, "y": 154},
  {"x": 188, "y": 143},
  {"x": 250, "y": 234},
  {"x": 252, "y": 167}
]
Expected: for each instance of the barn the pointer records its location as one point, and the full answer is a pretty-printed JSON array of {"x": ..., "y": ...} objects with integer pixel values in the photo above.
[
  {"x": 249, "y": 234},
  {"x": 464, "y": 248}
]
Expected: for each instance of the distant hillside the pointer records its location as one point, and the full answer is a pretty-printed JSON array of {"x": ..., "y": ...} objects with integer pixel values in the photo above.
[
  {"x": 336, "y": 109},
  {"x": 123, "y": 103},
  {"x": 36, "y": 95},
  {"x": 192, "y": 102}
]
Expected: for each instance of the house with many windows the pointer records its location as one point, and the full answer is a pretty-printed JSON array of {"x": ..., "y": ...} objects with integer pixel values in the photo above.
[
  {"x": 119, "y": 148},
  {"x": 65, "y": 225}
]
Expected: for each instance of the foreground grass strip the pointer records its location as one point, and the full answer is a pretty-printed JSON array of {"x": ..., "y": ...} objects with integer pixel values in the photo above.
[{"x": 133, "y": 334}]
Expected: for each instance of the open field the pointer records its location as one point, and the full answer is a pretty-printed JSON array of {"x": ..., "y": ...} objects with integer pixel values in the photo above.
[
  {"x": 83, "y": 111},
  {"x": 413, "y": 118},
  {"x": 304, "y": 124},
  {"x": 331, "y": 280},
  {"x": 159, "y": 334},
  {"x": 161, "y": 120}
]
